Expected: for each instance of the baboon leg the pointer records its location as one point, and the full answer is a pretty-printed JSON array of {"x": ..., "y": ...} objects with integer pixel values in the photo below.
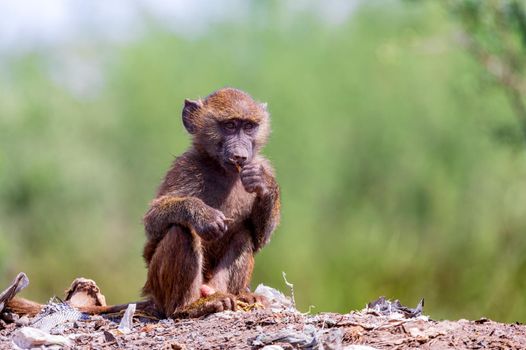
[
  {"x": 175, "y": 271},
  {"x": 234, "y": 269},
  {"x": 227, "y": 278}
]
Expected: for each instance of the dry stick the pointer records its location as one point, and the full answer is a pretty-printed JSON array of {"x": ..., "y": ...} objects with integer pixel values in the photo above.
[
  {"x": 291, "y": 286},
  {"x": 238, "y": 167}
]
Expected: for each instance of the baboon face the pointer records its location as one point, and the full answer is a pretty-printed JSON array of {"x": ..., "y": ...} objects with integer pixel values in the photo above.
[
  {"x": 228, "y": 125},
  {"x": 237, "y": 147}
]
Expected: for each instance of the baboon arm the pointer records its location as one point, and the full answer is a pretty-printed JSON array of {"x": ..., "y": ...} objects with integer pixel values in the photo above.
[
  {"x": 170, "y": 209},
  {"x": 266, "y": 212}
]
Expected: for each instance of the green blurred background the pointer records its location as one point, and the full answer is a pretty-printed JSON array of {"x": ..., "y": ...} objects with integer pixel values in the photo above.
[{"x": 400, "y": 158}]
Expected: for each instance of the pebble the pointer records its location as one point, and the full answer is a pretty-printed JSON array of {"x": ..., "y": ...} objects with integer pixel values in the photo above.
[
  {"x": 224, "y": 315},
  {"x": 23, "y": 321},
  {"x": 10, "y": 317}
]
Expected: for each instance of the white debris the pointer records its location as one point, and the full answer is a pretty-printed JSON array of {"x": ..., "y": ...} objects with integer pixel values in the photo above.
[
  {"x": 306, "y": 338},
  {"x": 126, "y": 324},
  {"x": 359, "y": 347},
  {"x": 54, "y": 314},
  {"x": 29, "y": 337},
  {"x": 278, "y": 301}
]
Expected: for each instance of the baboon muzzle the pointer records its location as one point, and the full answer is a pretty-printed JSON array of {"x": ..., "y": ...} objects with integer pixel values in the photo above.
[{"x": 239, "y": 154}]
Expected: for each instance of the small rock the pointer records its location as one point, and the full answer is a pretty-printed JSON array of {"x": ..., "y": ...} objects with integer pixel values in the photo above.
[
  {"x": 110, "y": 338},
  {"x": 148, "y": 328},
  {"x": 226, "y": 315},
  {"x": 10, "y": 317},
  {"x": 482, "y": 320},
  {"x": 98, "y": 324},
  {"x": 23, "y": 321},
  {"x": 174, "y": 346}
]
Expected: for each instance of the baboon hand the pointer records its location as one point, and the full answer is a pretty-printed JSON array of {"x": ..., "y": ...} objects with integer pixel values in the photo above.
[
  {"x": 210, "y": 224},
  {"x": 254, "y": 178}
]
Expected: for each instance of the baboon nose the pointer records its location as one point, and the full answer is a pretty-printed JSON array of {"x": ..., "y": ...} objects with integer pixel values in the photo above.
[{"x": 240, "y": 160}]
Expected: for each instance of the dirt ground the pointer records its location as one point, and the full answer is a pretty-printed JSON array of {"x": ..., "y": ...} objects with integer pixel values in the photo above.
[{"x": 286, "y": 328}]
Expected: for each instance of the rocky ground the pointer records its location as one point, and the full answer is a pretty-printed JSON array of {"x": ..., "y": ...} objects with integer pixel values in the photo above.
[
  {"x": 381, "y": 325},
  {"x": 287, "y": 329}
]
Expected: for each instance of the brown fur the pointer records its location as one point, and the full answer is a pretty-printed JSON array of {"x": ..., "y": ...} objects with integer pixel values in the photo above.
[
  {"x": 186, "y": 245},
  {"x": 90, "y": 304},
  {"x": 22, "y": 306}
]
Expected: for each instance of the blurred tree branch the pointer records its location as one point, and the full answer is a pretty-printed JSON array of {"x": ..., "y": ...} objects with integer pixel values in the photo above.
[{"x": 494, "y": 32}]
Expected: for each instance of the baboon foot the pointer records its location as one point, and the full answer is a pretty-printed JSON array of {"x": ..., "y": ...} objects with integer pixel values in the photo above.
[{"x": 217, "y": 302}]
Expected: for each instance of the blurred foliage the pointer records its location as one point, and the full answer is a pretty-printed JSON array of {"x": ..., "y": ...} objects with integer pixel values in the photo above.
[
  {"x": 495, "y": 34},
  {"x": 401, "y": 167}
]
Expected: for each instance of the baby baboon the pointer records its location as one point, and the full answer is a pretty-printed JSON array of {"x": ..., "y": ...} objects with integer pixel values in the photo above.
[{"x": 216, "y": 207}]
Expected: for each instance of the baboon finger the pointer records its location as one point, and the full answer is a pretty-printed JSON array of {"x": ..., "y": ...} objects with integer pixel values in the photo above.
[{"x": 250, "y": 179}]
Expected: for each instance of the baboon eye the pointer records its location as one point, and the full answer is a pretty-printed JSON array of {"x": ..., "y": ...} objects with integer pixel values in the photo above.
[
  {"x": 249, "y": 126},
  {"x": 229, "y": 126}
]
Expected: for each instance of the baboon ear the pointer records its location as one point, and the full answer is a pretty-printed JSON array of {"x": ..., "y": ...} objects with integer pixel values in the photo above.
[{"x": 190, "y": 112}]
